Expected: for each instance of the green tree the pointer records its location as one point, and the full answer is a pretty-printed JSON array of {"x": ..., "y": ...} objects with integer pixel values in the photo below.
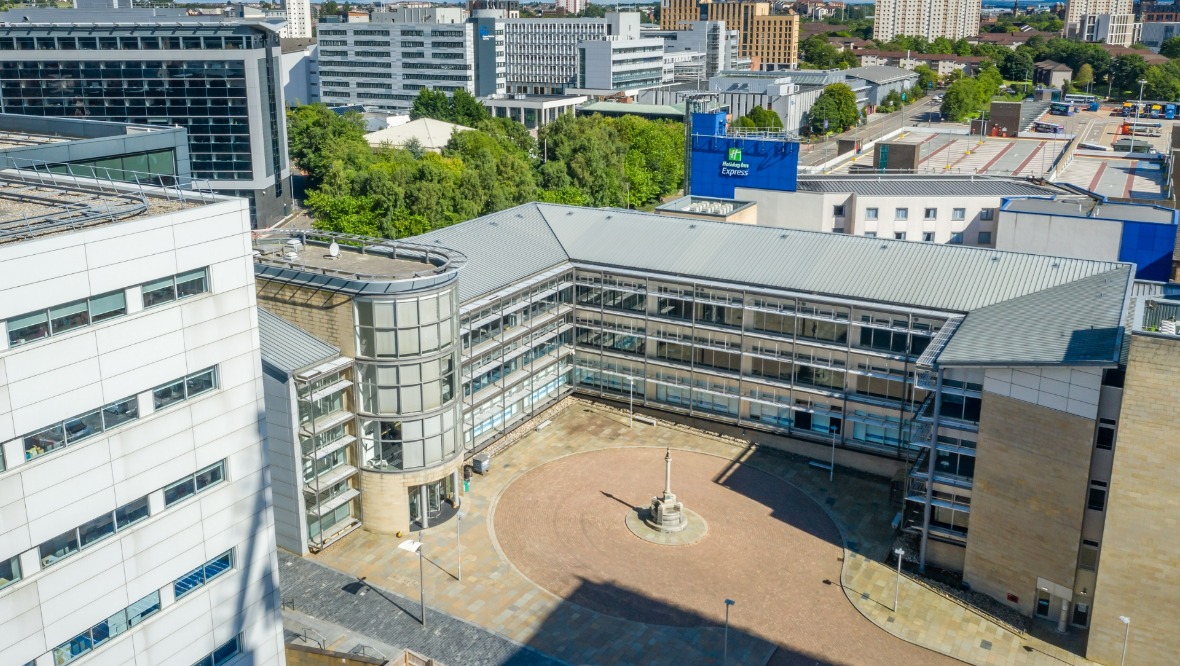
[
  {"x": 1017, "y": 65},
  {"x": 942, "y": 45},
  {"x": 760, "y": 118},
  {"x": 817, "y": 52},
  {"x": 329, "y": 8},
  {"x": 837, "y": 106},
  {"x": 584, "y": 152},
  {"x": 927, "y": 78},
  {"x": 988, "y": 80},
  {"x": 495, "y": 175},
  {"x": 1084, "y": 75},
  {"x": 1160, "y": 84},
  {"x": 961, "y": 100},
  {"x": 317, "y": 136},
  {"x": 962, "y": 47},
  {"x": 1170, "y": 47},
  {"x": 654, "y": 163},
  {"x": 1126, "y": 71},
  {"x": 431, "y": 104},
  {"x": 466, "y": 109}
]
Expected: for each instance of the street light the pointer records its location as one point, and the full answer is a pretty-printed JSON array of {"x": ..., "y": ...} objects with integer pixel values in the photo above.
[
  {"x": 1126, "y": 635},
  {"x": 459, "y": 544},
  {"x": 725, "y": 648},
  {"x": 412, "y": 546},
  {"x": 631, "y": 403},
  {"x": 1138, "y": 107},
  {"x": 897, "y": 586}
]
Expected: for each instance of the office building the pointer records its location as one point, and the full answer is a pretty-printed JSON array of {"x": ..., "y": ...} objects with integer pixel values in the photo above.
[
  {"x": 953, "y": 19},
  {"x": 545, "y": 56},
  {"x": 606, "y": 66},
  {"x": 219, "y": 81},
  {"x": 299, "y": 22},
  {"x": 770, "y": 41},
  {"x": 1096, "y": 20},
  {"x": 571, "y": 6},
  {"x": 718, "y": 43},
  {"x": 533, "y": 111},
  {"x": 138, "y": 525}
]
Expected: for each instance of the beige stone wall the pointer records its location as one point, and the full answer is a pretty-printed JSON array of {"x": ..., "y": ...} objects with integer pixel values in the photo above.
[
  {"x": 323, "y": 314},
  {"x": 1031, "y": 479},
  {"x": 385, "y": 498},
  {"x": 1137, "y": 564}
]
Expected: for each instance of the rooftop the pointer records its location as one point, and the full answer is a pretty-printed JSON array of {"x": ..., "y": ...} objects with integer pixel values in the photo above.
[
  {"x": 35, "y": 204},
  {"x": 357, "y": 264},
  {"x": 288, "y": 348},
  {"x": 1090, "y": 207},
  {"x": 716, "y": 207},
  {"x": 928, "y": 186},
  {"x": 431, "y": 134},
  {"x": 1085, "y": 297},
  {"x": 617, "y": 108},
  {"x": 881, "y": 73}
]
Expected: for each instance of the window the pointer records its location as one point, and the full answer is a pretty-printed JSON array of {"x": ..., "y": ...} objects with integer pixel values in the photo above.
[
  {"x": 102, "y": 632},
  {"x": 957, "y": 238},
  {"x": 203, "y": 574},
  {"x": 899, "y": 235},
  {"x": 958, "y": 214},
  {"x": 9, "y": 571},
  {"x": 870, "y": 234},
  {"x": 930, "y": 214},
  {"x": 173, "y": 287},
  {"x": 1088, "y": 555},
  {"x": 62, "y": 318},
  {"x": 191, "y": 485},
  {"x": 1105, "y": 437},
  {"x": 838, "y": 211},
  {"x": 870, "y": 213},
  {"x": 223, "y": 654},
  {"x": 838, "y": 230},
  {"x": 184, "y": 388},
  {"x": 987, "y": 213},
  {"x": 91, "y": 532},
  {"x": 927, "y": 236},
  {"x": 901, "y": 214},
  {"x": 1096, "y": 500},
  {"x": 985, "y": 238},
  {"x": 77, "y": 428}
]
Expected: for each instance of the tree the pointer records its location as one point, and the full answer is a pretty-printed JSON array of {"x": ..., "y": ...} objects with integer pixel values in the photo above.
[
  {"x": 834, "y": 110},
  {"x": 1170, "y": 47},
  {"x": 961, "y": 100},
  {"x": 1160, "y": 84},
  {"x": 817, "y": 52},
  {"x": 962, "y": 47},
  {"x": 466, "y": 109},
  {"x": 927, "y": 78},
  {"x": 1084, "y": 75},
  {"x": 329, "y": 8},
  {"x": 1017, "y": 65},
  {"x": 942, "y": 45},
  {"x": 317, "y": 136},
  {"x": 431, "y": 104},
  {"x": 760, "y": 118},
  {"x": 1126, "y": 71},
  {"x": 585, "y": 152}
]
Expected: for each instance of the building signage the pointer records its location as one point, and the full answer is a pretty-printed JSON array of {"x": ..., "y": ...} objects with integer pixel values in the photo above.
[{"x": 733, "y": 164}]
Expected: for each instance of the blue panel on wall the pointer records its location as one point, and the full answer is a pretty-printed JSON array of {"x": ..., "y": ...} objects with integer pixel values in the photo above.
[
  {"x": 710, "y": 124},
  {"x": 721, "y": 163},
  {"x": 1149, "y": 246}
]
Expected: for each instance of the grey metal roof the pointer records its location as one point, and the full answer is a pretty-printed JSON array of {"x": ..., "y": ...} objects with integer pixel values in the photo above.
[
  {"x": 1077, "y": 294},
  {"x": 288, "y": 348},
  {"x": 881, "y": 73},
  {"x": 1091, "y": 208},
  {"x": 924, "y": 186}
]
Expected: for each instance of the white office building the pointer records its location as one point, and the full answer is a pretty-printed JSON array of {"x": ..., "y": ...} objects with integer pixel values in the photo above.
[
  {"x": 606, "y": 66},
  {"x": 543, "y": 56},
  {"x": 953, "y": 19},
  {"x": 298, "y": 19},
  {"x": 136, "y": 523}
]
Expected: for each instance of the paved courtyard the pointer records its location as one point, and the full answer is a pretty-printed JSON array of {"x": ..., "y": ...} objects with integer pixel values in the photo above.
[{"x": 579, "y": 596}]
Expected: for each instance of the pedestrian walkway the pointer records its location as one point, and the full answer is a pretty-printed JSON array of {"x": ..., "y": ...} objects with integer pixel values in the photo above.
[{"x": 927, "y": 618}]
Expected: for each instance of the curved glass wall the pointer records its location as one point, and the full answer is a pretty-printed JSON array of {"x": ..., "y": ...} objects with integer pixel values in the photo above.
[{"x": 407, "y": 374}]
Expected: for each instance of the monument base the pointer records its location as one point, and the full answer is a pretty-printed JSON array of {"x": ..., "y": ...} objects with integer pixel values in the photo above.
[{"x": 693, "y": 531}]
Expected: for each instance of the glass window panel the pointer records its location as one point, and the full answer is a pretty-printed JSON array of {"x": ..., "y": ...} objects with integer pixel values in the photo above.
[
  {"x": 168, "y": 394},
  {"x": 431, "y": 395},
  {"x": 407, "y": 314},
  {"x": 383, "y": 315},
  {"x": 428, "y": 310},
  {"x": 72, "y": 649},
  {"x": 68, "y": 317},
  {"x": 28, "y": 328},
  {"x": 412, "y": 452},
  {"x": 131, "y": 513},
  {"x": 97, "y": 529},
  {"x": 9, "y": 572},
  {"x": 59, "y": 547},
  {"x": 189, "y": 582},
  {"x": 107, "y": 306},
  {"x": 43, "y": 442},
  {"x": 83, "y": 426},
  {"x": 120, "y": 412},
  {"x": 429, "y": 338},
  {"x": 411, "y": 400},
  {"x": 191, "y": 283},
  {"x": 226, "y": 652},
  {"x": 219, "y": 565},
  {"x": 157, "y": 292},
  {"x": 199, "y": 383},
  {"x": 179, "y": 491},
  {"x": 407, "y": 342},
  {"x": 211, "y": 475},
  {"x": 386, "y": 343},
  {"x": 143, "y": 608}
]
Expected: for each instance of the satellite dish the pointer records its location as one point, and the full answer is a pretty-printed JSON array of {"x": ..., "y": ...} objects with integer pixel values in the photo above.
[{"x": 334, "y": 250}]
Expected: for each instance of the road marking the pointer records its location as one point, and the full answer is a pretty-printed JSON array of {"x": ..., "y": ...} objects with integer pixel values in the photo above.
[
  {"x": 985, "y": 167},
  {"x": 1039, "y": 148},
  {"x": 1097, "y": 177},
  {"x": 1130, "y": 180}
]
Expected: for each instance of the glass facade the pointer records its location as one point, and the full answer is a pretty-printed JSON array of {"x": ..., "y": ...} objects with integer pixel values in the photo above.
[
  {"x": 327, "y": 432},
  {"x": 407, "y": 380}
]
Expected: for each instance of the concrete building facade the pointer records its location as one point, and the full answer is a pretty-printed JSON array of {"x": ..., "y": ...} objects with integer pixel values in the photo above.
[
  {"x": 953, "y": 19},
  {"x": 138, "y": 525},
  {"x": 1082, "y": 18}
]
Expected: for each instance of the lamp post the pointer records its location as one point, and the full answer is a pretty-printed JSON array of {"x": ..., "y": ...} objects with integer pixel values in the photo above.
[
  {"x": 459, "y": 544},
  {"x": 631, "y": 403},
  {"x": 897, "y": 585},
  {"x": 725, "y": 647},
  {"x": 1126, "y": 635},
  {"x": 1138, "y": 107},
  {"x": 412, "y": 546}
]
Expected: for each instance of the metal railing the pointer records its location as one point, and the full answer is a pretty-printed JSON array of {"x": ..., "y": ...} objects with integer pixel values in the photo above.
[{"x": 368, "y": 651}]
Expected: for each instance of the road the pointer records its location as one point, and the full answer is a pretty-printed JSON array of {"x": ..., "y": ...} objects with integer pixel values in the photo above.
[{"x": 920, "y": 112}]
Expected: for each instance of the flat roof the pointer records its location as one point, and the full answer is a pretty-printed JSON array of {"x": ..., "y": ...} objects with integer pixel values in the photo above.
[
  {"x": 924, "y": 185},
  {"x": 1091, "y": 208},
  {"x": 23, "y": 139},
  {"x": 32, "y": 206},
  {"x": 715, "y": 206},
  {"x": 358, "y": 265}
]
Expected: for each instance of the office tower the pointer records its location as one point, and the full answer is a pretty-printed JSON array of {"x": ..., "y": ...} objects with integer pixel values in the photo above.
[
  {"x": 299, "y": 23},
  {"x": 771, "y": 41},
  {"x": 220, "y": 81},
  {"x": 137, "y": 524},
  {"x": 953, "y": 19}
]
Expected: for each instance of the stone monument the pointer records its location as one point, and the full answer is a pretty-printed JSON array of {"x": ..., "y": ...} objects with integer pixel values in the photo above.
[{"x": 666, "y": 513}]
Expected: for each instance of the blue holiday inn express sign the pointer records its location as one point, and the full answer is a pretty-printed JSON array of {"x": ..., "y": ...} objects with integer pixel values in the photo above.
[{"x": 733, "y": 164}]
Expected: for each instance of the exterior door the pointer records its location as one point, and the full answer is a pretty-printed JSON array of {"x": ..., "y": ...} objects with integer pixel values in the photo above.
[{"x": 415, "y": 495}]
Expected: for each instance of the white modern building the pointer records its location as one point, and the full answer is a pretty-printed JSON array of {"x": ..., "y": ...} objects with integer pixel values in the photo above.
[
  {"x": 544, "y": 57},
  {"x": 299, "y": 22},
  {"x": 606, "y": 66},
  {"x": 953, "y": 19},
  {"x": 1092, "y": 20},
  {"x": 718, "y": 43},
  {"x": 136, "y": 523}
]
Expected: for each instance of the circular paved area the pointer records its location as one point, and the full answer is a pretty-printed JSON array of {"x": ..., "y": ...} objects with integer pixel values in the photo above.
[{"x": 769, "y": 547}]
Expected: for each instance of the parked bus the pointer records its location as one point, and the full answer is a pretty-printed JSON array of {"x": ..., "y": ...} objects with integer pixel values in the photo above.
[
  {"x": 1060, "y": 109},
  {"x": 1080, "y": 100},
  {"x": 1170, "y": 111},
  {"x": 1129, "y": 109},
  {"x": 1155, "y": 110},
  {"x": 1048, "y": 128},
  {"x": 1142, "y": 128}
]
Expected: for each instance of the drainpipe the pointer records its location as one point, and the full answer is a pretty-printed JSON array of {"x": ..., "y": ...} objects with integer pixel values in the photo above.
[{"x": 928, "y": 507}]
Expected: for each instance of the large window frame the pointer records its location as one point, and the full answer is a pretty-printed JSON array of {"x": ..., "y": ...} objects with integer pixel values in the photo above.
[
  {"x": 66, "y": 317},
  {"x": 194, "y": 484},
  {"x": 175, "y": 287},
  {"x": 92, "y": 532},
  {"x": 81, "y": 427},
  {"x": 113, "y": 626},
  {"x": 203, "y": 575}
]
